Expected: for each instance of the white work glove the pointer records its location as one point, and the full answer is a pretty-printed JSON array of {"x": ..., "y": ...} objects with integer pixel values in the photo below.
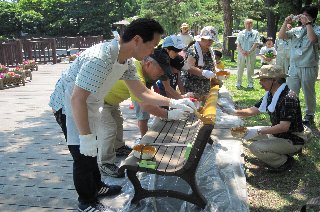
[
  {"x": 184, "y": 104},
  {"x": 88, "y": 145},
  {"x": 177, "y": 114},
  {"x": 251, "y": 133},
  {"x": 188, "y": 95},
  {"x": 228, "y": 110},
  {"x": 208, "y": 74}
]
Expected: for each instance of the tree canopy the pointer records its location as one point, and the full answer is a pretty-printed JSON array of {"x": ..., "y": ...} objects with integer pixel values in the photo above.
[{"x": 93, "y": 17}]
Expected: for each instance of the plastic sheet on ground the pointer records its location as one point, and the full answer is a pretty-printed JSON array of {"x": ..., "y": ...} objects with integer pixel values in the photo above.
[
  {"x": 220, "y": 177},
  {"x": 214, "y": 181}
]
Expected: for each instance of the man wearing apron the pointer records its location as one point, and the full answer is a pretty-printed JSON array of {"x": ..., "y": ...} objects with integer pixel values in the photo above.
[{"x": 85, "y": 84}]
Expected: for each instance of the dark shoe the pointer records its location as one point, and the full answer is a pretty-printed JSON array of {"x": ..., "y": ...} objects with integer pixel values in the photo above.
[
  {"x": 111, "y": 170},
  {"x": 250, "y": 86},
  {"x": 90, "y": 207},
  {"x": 123, "y": 151},
  {"x": 308, "y": 119},
  {"x": 286, "y": 166},
  {"x": 109, "y": 190},
  {"x": 239, "y": 87}
]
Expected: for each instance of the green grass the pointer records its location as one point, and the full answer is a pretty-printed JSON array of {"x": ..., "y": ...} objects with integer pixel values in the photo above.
[
  {"x": 227, "y": 61},
  {"x": 286, "y": 191}
]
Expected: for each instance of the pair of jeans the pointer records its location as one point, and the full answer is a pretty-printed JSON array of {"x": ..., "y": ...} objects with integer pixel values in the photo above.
[{"x": 86, "y": 175}]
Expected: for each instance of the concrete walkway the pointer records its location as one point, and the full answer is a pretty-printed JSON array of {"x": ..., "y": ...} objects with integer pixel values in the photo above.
[{"x": 36, "y": 167}]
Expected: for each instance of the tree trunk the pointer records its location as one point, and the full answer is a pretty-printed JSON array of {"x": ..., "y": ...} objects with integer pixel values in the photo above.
[
  {"x": 228, "y": 22},
  {"x": 271, "y": 19}
]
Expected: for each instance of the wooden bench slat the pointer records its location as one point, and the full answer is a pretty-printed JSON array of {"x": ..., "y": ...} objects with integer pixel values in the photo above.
[{"x": 171, "y": 139}]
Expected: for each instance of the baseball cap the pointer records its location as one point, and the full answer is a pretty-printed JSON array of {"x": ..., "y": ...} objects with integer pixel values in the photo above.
[
  {"x": 270, "y": 71},
  {"x": 174, "y": 41},
  {"x": 163, "y": 59},
  {"x": 209, "y": 33}
]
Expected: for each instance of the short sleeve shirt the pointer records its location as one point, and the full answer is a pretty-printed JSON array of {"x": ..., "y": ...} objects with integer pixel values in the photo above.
[
  {"x": 57, "y": 97},
  {"x": 90, "y": 71},
  {"x": 246, "y": 39},
  {"x": 303, "y": 53},
  {"x": 265, "y": 50},
  {"x": 287, "y": 109},
  {"x": 186, "y": 38}
]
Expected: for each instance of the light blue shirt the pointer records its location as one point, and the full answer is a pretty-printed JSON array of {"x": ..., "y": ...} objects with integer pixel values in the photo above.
[
  {"x": 247, "y": 39},
  {"x": 303, "y": 53}
]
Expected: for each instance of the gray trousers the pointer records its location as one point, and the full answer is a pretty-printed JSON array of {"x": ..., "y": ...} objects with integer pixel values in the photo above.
[
  {"x": 249, "y": 62},
  {"x": 272, "y": 150},
  {"x": 304, "y": 78},
  {"x": 110, "y": 136}
]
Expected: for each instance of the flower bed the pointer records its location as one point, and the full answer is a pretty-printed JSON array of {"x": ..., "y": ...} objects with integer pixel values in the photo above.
[
  {"x": 30, "y": 65},
  {"x": 24, "y": 72},
  {"x": 11, "y": 81},
  {"x": 10, "y": 78}
]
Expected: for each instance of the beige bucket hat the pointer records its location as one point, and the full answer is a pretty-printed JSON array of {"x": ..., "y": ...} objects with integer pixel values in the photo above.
[{"x": 270, "y": 71}]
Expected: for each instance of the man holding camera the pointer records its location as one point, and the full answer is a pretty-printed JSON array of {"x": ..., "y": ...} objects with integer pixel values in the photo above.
[{"x": 304, "y": 56}]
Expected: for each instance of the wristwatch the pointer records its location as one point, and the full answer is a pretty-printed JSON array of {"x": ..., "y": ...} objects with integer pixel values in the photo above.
[
  {"x": 308, "y": 23},
  {"x": 259, "y": 131}
]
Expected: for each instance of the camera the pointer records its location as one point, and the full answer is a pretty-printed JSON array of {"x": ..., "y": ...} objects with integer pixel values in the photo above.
[{"x": 295, "y": 17}]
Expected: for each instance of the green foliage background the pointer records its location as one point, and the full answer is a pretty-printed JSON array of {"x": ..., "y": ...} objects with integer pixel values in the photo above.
[{"x": 93, "y": 17}]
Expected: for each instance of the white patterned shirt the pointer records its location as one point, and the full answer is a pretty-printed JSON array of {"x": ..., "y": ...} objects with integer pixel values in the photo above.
[{"x": 90, "y": 71}]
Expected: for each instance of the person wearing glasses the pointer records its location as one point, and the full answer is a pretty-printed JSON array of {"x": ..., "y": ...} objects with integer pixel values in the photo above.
[
  {"x": 304, "y": 56},
  {"x": 274, "y": 145},
  {"x": 200, "y": 66},
  {"x": 171, "y": 47}
]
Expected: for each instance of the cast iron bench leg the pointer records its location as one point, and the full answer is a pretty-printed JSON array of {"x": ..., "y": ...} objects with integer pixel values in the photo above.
[
  {"x": 139, "y": 192},
  {"x": 196, "y": 196}
]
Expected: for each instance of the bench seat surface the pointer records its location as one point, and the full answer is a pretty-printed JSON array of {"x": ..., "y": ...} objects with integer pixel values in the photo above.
[{"x": 170, "y": 139}]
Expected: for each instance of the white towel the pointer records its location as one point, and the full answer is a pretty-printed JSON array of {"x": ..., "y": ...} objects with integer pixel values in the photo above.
[
  {"x": 275, "y": 98},
  {"x": 199, "y": 51}
]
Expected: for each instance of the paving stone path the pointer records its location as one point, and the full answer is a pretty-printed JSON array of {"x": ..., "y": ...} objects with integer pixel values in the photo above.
[{"x": 35, "y": 165}]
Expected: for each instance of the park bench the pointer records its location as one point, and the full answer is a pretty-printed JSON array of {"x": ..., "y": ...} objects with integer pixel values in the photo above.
[{"x": 179, "y": 145}]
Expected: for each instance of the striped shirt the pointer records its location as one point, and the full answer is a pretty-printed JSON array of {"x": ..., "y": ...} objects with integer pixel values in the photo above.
[{"x": 90, "y": 71}]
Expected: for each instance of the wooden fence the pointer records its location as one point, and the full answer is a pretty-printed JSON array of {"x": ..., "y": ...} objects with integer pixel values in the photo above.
[
  {"x": 80, "y": 43},
  {"x": 42, "y": 50},
  {"x": 11, "y": 52}
]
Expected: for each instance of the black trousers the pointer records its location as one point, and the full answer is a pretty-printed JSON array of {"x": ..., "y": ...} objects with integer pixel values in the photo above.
[
  {"x": 61, "y": 120},
  {"x": 86, "y": 175}
]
